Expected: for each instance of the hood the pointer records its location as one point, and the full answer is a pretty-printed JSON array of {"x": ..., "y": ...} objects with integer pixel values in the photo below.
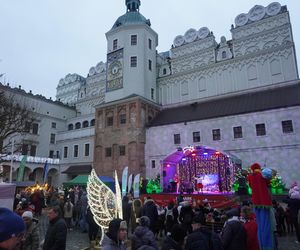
[{"x": 140, "y": 231}]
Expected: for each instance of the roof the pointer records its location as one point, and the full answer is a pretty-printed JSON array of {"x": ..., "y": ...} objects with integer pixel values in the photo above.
[
  {"x": 280, "y": 97},
  {"x": 78, "y": 169},
  {"x": 131, "y": 17}
]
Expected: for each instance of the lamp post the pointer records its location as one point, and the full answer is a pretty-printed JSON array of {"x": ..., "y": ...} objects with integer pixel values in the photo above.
[{"x": 11, "y": 161}]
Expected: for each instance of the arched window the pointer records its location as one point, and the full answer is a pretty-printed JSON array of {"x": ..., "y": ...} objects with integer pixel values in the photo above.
[
  {"x": 164, "y": 71},
  {"x": 92, "y": 122},
  {"x": 70, "y": 126},
  {"x": 77, "y": 125},
  {"x": 85, "y": 124},
  {"x": 224, "y": 55}
]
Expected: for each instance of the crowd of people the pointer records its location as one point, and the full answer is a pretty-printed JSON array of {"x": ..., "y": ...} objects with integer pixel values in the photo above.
[{"x": 145, "y": 225}]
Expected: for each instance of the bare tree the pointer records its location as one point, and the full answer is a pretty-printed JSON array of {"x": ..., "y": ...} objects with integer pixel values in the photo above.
[{"x": 15, "y": 118}]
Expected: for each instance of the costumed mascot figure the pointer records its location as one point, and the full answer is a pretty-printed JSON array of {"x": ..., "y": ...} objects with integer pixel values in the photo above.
[{"x": 262, "y": 202}]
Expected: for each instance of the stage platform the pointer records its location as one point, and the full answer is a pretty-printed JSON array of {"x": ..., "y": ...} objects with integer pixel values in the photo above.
[{"x": 216, "y": 200}]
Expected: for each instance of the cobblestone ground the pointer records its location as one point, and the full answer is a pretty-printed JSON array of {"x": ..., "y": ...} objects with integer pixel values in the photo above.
[{"x": 76, "y": 240}]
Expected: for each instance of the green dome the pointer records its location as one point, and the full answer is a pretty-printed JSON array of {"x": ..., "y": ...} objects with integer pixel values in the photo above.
[{"x": 131, "y": 17}]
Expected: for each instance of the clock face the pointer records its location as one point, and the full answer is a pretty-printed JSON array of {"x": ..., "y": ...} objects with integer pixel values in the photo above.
[{"x": 115, "y": 69}]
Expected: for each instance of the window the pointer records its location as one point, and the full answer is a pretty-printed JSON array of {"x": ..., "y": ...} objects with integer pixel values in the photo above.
[
  {"x": 109, "y": 121},
  {"x": 133, "y": 61},
  {"x": 75, "y": 152},
  {"x": 92, "y": 122},
  {"x": 52, "y": 138},
  {"x": 35, "y": 128},
  {"x": 260, "y": 129},
  {"x": 107, "y": 152},
  {"x": 153, "y": 164},
  {"x": 85, "y": 124},
  {"x": 33, "y": 150},
  {"x": 237, "y": 132},
  {"x": 57, "y": 154},
  {"x": 133, "y": 39},
  {"x": 196, "y": 136},
  {"x": 287, "y": 126},
  {"x": 216, "y": 133},
  {"x": 65, "y": 152},
  {"x": 122, "y": 150},
  {"x": 77, "y": 125},
  {"x": 152, "y": 93},
  {"x": 224, "y": 55},
  {"x": 149, "y": 43},
  {"x": 122, "y": 118},
  {"x": 51, "y": 154},
  {"x": 150, "y": 65},
  {"x": 70, "y": 126},
  {"x": 27, "y": 127},
  {"x": 24, "y": 149},
  {"x": 86, "y": 149},
  {"x": 53, "y": 124},
  {"x": 164, "y": 71},
  {"x": 176, "y": 138},
  {"x": 115, "y": 44}
]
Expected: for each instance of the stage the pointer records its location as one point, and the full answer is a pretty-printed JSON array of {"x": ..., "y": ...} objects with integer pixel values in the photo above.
[{"x": 216, "y": 200}]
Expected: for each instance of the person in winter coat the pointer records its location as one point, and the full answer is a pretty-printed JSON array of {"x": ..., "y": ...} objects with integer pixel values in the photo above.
[
  {"x": 250, "y": 225},
  {"x": 150, "y": 210},
  {"x": 93, "y": 226},
  {"x": 233, "y": 235},
  {"x": 56, "y": 235},
  {"x": 186, "y": 216},
  {"x": 294, "y": 207},
  {"x": 142, "y": 235},
  {"x": 114, "y": 238},
  {"x": 175, "y": 240},
  {"x": 136, "y": 211},
  {"x": 68, "y": 212},
  {"x": 31, "y": 238},
  {"x": 202, "y": 238}
]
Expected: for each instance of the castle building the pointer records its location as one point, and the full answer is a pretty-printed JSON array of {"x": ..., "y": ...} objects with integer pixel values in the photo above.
[{"x": 239, "y": 95}]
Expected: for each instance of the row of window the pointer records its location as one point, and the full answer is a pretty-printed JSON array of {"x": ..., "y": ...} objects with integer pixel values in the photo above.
[
  {"x": 33, "y": 128},
  {"x": 133, "y": 42},
  {"x": 122, "y": 117},
  {"x": 122, "y": 151},
  {"x": 84, "y": 124},
  {"x": 31, "y": 151},
  {"x": 134, "y": 62},
  {"x": 76, "y": 150},
  {"x": 287, "y": 127}
]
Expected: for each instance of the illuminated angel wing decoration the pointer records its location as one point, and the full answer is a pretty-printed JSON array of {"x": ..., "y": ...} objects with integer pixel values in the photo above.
[
  {"x": 101, "y": 200},
  {"x": 104, "y": 204}
]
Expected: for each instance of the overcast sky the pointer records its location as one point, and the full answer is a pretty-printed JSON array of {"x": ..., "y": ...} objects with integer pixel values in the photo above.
[{"x": 43, "y": 40}]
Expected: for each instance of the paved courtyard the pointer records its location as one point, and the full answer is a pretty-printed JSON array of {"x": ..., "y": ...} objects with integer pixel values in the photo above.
[{"x": 76, "y": 240}]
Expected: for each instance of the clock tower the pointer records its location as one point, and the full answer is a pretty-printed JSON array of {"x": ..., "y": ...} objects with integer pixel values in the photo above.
[
  {"x": 130, "y": 98},
  {"x": 131, "y": 56}
]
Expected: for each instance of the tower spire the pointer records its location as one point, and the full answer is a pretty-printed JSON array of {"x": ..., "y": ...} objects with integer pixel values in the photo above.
[{"x": 133, "y": 5}]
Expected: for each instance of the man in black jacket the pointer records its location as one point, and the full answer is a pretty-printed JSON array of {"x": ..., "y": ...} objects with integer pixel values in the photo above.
[
  {"x": 150, "y": 210},
  {"x": 56, "y": 235},
  {"x": 202, "y": 238}
]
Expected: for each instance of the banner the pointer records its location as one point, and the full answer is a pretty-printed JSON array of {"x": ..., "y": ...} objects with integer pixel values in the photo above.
[
  {"x": 130, "y": 183},
  {"x": 136, "y": 186},
  {"x": 45, "y": 175},
  {"x": 119, "y": 211},
  {"x": 22, "y": 168},
  {"x": 124, "y": 181}
]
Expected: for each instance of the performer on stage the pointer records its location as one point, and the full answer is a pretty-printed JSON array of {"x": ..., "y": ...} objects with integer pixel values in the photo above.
[{"x": 262, "y": 204}]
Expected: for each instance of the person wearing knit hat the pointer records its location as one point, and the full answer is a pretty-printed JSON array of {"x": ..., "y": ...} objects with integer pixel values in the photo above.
[
  {"x": 31, "y": 239},
  {"x": 142, "y": 235},
  {"x": 116, "y": 235},
  {"x": 11, "y": 229},
  {"x": 262, "y": 203}
]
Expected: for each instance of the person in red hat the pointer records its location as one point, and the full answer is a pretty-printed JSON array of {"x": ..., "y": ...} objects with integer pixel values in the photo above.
[{"x": 262, "y": 203}]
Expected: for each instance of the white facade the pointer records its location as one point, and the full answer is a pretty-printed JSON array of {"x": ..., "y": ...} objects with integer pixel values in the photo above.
[{"x": 276, "y": 149}]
